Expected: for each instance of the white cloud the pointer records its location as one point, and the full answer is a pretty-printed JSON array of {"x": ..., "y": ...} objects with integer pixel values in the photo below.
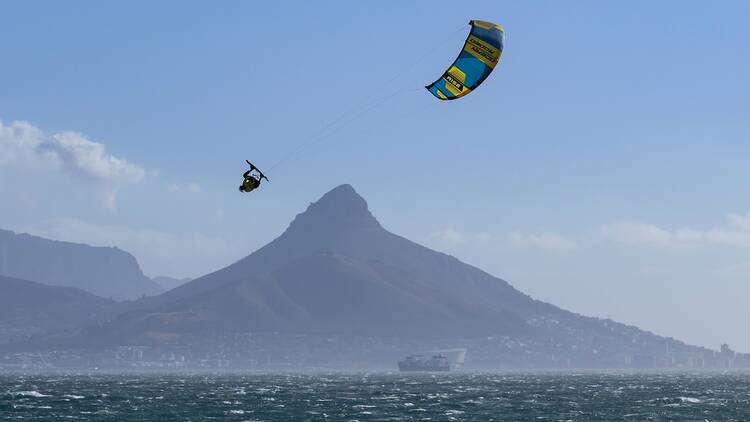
[
  {"x": 22, "y": 144},
  {"x": 158, "y": 253},
  {"x": 517, "y": 239},
  {"x": 638, "y": 233},
  {"x": 552, "y": 242},
  {"x": 191, "y": 187},
  {"x": 734, "y": 233},
  {"x": 739, "y": 269},
  {"x": 110, "y": 200},
  {"x": 452, "y": 237},
  {"x": 737, "y": 221}
]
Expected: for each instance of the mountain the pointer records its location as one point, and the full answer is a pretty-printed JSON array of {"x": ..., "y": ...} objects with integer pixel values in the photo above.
[
  {"x": 28, "y": 308},
  {"x": 103, "y": 271},
  {"x": 169, "y": 283},
  {"x": 336, "y": 271},
  {"x": 338, "y": 253}
]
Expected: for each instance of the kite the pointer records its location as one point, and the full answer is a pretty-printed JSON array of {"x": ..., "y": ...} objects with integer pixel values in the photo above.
[{"x": 480, "y": 55}]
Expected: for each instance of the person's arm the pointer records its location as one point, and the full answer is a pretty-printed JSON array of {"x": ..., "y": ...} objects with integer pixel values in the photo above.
[{"x": 246, "y": 173}]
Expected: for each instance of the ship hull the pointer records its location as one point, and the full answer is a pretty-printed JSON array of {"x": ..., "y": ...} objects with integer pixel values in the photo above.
[{"x": 405, "y": 367}]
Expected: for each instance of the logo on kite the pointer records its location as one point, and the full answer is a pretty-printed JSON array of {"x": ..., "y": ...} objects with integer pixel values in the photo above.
[{"x": 480, "y": 55}]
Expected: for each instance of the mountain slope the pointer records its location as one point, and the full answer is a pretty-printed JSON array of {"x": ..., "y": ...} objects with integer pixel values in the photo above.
[
  {"x": 327, "y": 293},
  {"x": 336, "y": 245},
  {"x": 341, "y": 222},
  {"x": 28, "y": 308},
  {"x": 106, "y": 272},
  {"x": 169, "y": 283}
]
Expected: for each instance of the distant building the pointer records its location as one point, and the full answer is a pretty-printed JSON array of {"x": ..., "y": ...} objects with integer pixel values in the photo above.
[
  {"x": 643, "y": 361},
  {"x": 726, "y": 356}
]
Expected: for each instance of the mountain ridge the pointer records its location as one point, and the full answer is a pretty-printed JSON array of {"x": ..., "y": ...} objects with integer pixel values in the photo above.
[{"x": 108, "y": 272}]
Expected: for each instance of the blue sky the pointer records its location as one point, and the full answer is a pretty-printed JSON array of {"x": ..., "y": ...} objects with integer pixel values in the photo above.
[{"x": 602, "y": 167}]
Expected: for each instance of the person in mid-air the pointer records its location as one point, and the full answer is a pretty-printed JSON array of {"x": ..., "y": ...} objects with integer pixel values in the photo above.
[{"x": 251, "y": 180}]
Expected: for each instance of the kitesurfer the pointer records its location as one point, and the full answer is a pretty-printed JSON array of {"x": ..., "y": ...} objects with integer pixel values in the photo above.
[{"x": 251, "y": 180}]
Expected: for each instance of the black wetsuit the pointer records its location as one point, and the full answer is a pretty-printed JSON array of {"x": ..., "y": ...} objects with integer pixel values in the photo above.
[{"x": 250, "y": 183}]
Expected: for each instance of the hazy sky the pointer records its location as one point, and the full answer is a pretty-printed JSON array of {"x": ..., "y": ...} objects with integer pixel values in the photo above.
[{"x": 603, "y": 167}]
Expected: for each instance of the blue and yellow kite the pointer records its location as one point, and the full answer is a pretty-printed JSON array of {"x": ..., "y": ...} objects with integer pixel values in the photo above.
[{"x": 480, "y": 55}]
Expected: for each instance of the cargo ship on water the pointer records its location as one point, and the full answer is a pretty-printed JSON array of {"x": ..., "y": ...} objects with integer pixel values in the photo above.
[{"x": 419, "y": 363}]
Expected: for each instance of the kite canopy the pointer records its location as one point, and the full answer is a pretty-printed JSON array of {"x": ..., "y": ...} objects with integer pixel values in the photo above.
[{"x": 478, "y": 58}]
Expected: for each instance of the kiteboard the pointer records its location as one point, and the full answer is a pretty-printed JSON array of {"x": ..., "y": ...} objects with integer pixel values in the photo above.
[{"x": 252, "y": 167}]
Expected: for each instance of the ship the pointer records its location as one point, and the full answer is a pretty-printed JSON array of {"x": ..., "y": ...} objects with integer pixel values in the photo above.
[{"x": 414, "y": 363}]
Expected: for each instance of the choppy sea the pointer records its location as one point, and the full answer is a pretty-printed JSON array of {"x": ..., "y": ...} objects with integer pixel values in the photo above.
[{"x": 377, "y": 397}]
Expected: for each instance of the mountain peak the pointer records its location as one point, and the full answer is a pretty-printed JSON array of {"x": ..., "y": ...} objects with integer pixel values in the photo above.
[
  {"x": 343, "y": 195},
  {"x": 340, "y": 208}
]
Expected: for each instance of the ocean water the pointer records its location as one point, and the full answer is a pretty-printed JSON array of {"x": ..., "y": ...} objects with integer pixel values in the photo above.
[{"x": 377, "y": 397}]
